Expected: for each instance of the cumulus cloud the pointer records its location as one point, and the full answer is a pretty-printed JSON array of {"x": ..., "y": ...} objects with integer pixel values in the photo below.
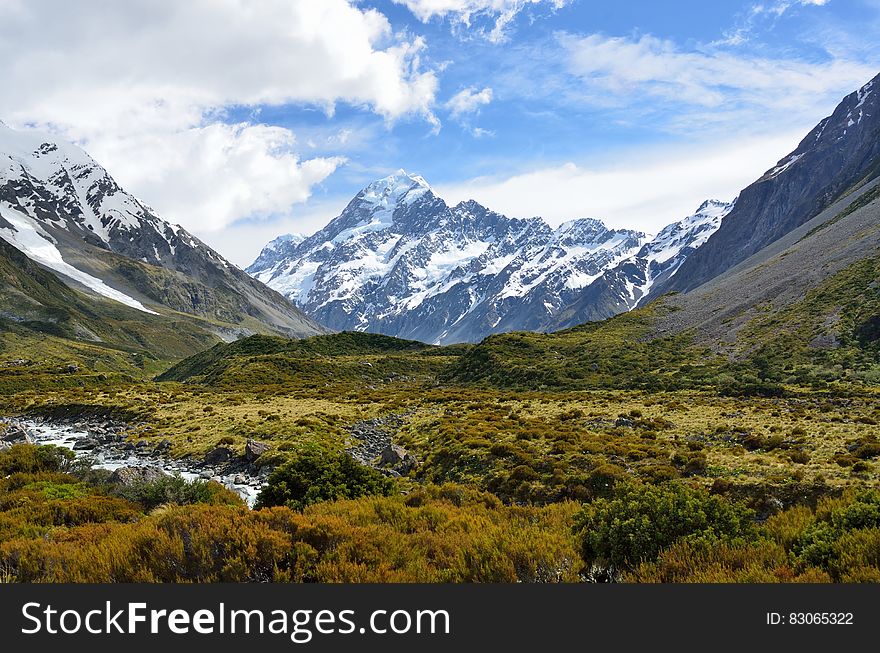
[
  {"x": 216, "y": 174},
  {"x": 468, "y": 100},
  {"x": 145, "y": 86},
  {"x": 464, "y": 12}
]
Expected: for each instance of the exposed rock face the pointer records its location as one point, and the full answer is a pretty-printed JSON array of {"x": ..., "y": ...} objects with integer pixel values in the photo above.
[
  {"x": 400, "y": 261},
  {"x": 16, "y": 434},
  {"x": 841, "y": 151},
  {"x": 398, "y": 459},
  {"x": 218, "y": 455}
]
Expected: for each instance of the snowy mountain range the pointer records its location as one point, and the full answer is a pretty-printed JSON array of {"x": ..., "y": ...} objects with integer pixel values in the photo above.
[
  {"x": 398, "y": 260},
  {"x": 65, "y": 212}
]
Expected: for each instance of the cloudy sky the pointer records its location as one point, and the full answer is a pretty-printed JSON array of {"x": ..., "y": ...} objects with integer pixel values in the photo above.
[{"x": 244, "y": 120}]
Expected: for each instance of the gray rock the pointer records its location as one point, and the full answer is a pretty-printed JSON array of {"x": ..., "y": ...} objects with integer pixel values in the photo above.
[
  {"x": 398, "y": 459},
  {"x": 163, "y": 447},
  {"x": 218, "y": 455},
  {"x": 128, "y": 476},
  {"x": 17, "y": 434},
  {"x": 254, "y": 449},
  {"x": 86, "y": 444}
]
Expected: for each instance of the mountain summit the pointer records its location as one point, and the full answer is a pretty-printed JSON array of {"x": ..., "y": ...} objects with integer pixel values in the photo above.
[
  {"x": 398, "y": 260},
  {"x": 65, "y": 212}
]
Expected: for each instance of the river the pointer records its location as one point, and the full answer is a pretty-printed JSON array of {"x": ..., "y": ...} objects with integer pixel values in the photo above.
[{"x": 46, "y": 433}]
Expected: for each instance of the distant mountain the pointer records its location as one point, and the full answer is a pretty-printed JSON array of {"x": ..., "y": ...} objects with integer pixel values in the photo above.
[
  {"x": 629, "y": 283},
  {"x": 400, "y": 261},
  {"x": 65, "y": 213},
  {"x": 841, "y": 153}
]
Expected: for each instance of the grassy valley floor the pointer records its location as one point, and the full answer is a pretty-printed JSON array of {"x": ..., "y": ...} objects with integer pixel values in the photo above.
[{"x": 598, "y": 453}]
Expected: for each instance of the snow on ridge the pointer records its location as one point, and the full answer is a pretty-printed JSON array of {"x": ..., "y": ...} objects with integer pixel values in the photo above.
[
  {"x": 782, "y": 167},
  {"x": 663, "y": 254},
  {"x": 386, "y": 261},
  {"x": 27, "y": 236},
  {"x": 72, "y": 175}
]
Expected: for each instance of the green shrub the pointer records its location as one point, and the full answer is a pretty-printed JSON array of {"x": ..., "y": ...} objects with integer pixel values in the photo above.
[
  {"x": 316, "y": 475},
  {"x": 178, "y": 490},
  {"x": 640, "y": 521},
  {"x": 823, "y": 542},
  {"x": 31, "y": 459}
]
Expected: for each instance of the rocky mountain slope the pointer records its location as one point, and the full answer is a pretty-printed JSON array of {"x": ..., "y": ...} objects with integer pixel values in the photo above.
[
  {"x": 803, "y": 311},
  {"x": 44, "y": 322},
  {"x": 64, "y": 212},
  {"x": 752, "y": 302},
  {"x": 840, "y": 153},
  {"x": 400, "y": 261},
  {"x": 630, "y": 283}
]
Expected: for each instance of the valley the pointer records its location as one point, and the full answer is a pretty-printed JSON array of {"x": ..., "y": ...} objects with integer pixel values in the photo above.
[{"x": 444, "y": 394}]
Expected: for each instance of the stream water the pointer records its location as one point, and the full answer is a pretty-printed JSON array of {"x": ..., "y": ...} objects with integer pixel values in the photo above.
[{"x": 112, "y": 458}]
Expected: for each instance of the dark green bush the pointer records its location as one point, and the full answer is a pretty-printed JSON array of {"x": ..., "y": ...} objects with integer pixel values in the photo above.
[
  {"x": 822, "y": 544},
  {"x": 316, "y": 475},
  {"x": 640, "y": 521},
  {"x": 178, "y": 490},
  {"x": 31, "y": 459}
]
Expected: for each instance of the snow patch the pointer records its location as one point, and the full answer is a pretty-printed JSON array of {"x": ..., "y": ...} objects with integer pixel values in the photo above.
[{"x": 27, "y": 236}]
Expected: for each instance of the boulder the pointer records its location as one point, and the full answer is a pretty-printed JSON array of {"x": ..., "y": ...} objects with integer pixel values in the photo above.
[
  {"x": 163, "y": 447},
  {"x": 86, "y": 444},
  {"x": 218, "y": 455},
  {"x": 128, "y": 476},
  {"x": 398, "y": 459},
  {"x": 254, "y": 449},
  {"x": 17, "y": 434}
]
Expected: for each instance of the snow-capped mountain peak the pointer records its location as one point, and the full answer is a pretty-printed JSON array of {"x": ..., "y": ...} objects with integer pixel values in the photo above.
[
  {"x": 385, "y": 195},
  {"x": 65, "y": 212},
  {"x": 399, "y": 260},
  {"x": 285, "y": 240}
]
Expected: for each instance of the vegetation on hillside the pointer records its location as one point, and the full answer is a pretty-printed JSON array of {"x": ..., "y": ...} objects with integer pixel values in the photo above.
[{"x": 596, "y": 453}]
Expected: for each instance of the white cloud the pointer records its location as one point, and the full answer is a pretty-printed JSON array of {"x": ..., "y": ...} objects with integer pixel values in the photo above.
[
  {"x": 760, "y": 13},
  {"x": 463, "y": 12},
  {"x": 645, "y": 190},
  {"x": 143, "y": 85},
  {"x": 242, "y": 242},
  {"x": 468, "y": 100},
  {"x": 742, "y": 86},
  {"x": 208, "y": 177},
  {"x": 781, "y": 6}
]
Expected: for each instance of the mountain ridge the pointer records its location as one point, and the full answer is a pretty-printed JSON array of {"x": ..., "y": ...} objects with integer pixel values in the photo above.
[
  {"x": 399, "y": 260},
  {"x": 64, "y": 211},
  {"x": 839, "y": 153}
]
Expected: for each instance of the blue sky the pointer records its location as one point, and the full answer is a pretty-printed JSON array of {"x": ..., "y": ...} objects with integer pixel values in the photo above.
[{"x": 243, "y": 127}]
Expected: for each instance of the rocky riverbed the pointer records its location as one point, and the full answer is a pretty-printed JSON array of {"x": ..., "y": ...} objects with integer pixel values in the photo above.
[
  {"x": 375, "y": 447},
  {"x": 105, "y": 444}
]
